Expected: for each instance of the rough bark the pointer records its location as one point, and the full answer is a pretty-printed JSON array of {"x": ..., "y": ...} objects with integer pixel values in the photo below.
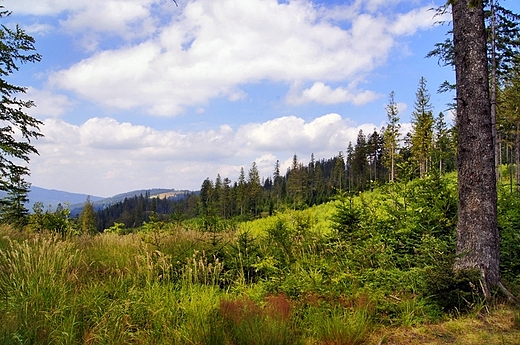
[{"x": 477, "y": 231}]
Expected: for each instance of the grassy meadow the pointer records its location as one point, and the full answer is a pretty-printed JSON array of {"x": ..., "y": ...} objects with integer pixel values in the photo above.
[{"x": 371, "y": 268}]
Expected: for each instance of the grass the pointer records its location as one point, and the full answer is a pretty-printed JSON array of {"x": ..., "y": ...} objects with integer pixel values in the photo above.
[
  {"x": 287, "y": 279},
  {"x": 496, "y": 328}
]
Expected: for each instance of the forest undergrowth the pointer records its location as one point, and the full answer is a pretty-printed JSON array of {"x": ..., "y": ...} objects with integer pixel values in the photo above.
[{"x": 369, "y": 268}]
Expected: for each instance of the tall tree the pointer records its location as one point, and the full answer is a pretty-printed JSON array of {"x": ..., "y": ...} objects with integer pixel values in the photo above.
[
  {"x": 339, "y": 171},
  {"x": 241, "y": 191},
  {"x": 422, "y": 128},
  {"x": 360, "y": 165},
  {"x": 254, "y": 188},
  {"x": 509, "y": 123},
  {"x": 503, "y": 46},
  {"x": 374, "y": 147},
  {"x": 349, "y": 166},
  {"x": 18, "y": 128},
  {"x": 477, "y": 231},
  {"x": 295, "y": 182},
  {"x": 391, "y": 137},
  {"x": 443, "y": 151},
  {"x": 87, "y": 218}
]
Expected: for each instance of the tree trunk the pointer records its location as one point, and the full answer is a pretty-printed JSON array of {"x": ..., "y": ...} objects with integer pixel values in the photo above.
[{"x": 477, "y": 231}]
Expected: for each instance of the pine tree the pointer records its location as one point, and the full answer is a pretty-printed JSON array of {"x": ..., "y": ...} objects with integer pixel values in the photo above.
[
  {"x": 12, "y": 207},
  {"x": 360, "y": 161},
  {"x": 444, "y": 146},
  {"x": 206, "y": 197},
  {"x": 254, "y": 188},
  {"x": 295, "y": 182},
  {"x": 374, "y": 151},
  {"x": 18, "y": 128},
  {"x": 339, "y": 171},
  {"x": 509, "y": 123},
  {"x": 349, "y": 167},
  {"x": 478, "y": 242},
  {"x": 278, "y": 182},
  {"x": 422, "y": 129},
  {"x": 87, "y": 218},
  {"x": 241, "y": 191},
  {"x": 391, "y": 137}
]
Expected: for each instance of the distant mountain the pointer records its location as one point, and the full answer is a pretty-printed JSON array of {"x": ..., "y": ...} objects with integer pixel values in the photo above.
[
  {"x": 152, "y": 193},
  {"x": 52, "y": 197},
  {"x": 75, "y": 201}
]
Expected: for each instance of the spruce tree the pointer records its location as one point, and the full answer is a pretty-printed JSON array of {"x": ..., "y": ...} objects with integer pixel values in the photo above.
[
  {"x": 391, "y": 137},
  {"x": 87, "y": 218},
  {"x": 360, "y": 161},
  {"x": 254, "y": 188},
  {"x": 339, "y": 172},
  {"x": 478, "y": 242},
  {"x": 18, "y": 128},
  {"x": 422, "y": 129}
]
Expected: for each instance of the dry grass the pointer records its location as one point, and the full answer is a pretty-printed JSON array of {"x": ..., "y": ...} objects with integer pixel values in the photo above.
[{"x": 499, "y": 327}]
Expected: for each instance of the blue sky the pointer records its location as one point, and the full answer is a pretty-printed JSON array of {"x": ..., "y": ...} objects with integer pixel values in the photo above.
[{"x": 141, "y": 94}]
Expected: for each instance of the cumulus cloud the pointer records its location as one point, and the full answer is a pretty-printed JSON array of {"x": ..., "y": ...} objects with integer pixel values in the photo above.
[
  {"x": 213, "y": 47},
  {"x": 48, "y": 104},
  {"x": 417, "y": 19},
  {"x": 324, "y": 94},
  {"x": 105, "y": 156}
]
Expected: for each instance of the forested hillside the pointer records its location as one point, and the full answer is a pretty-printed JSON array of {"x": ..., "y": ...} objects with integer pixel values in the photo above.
[{"x": 374, "y": 159}]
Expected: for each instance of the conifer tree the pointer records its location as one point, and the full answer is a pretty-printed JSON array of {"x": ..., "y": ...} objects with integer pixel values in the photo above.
[
  {"x": 241, "y": 191},
  {"x": 217, "y": 195},
  {"x": 254, "y": 188},
  {"x": 206, "y": 196},
  {"x": 295, "y": 182},
  {"x": 87, "y": 218},
  {"x": 444, "y": 146},
  {"x": 391, "y": 137},
  {"x": 374, "y": 150},
  {"x": 360, "y": 161},
  {"x": 422, "y": 129},
  {"x": 339, "y": 171},
  {"x": 18, "y": 128},
  {"x": 478, "y": 241},
  {"x": 349, "y": 167},
  {"x": 13, "y": 210}
]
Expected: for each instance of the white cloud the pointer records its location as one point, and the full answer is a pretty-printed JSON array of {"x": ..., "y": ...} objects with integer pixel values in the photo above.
[
  {"x": 105, "y": 157},
  {"x": 213, "y": 47},
  {"x": 402, "y": 107},
  {"x": 44, "y": 7},
  {"x": 324, "y": 94},
  {"x": 48, "y": 103},
  {"x": 38, "y": 29},
  {"x": 408, "y": 23}
]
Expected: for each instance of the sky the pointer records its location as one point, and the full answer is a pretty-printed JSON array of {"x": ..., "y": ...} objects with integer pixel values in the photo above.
[{"x": 138, "y": 94}]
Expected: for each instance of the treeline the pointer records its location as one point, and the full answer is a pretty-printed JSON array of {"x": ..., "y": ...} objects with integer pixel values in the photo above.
[
  {"x": 374, "y": 159},
  {"x": 132, "y": 212},
  {"x": 384, "y": 155}
]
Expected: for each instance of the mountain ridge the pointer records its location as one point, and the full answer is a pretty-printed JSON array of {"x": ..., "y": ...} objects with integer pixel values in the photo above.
[{"x": 51, "y": 198}]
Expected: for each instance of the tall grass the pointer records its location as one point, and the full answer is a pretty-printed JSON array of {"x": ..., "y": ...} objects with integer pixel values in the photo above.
[
  {"x": 37, "y": 281},
  {"x": 288, "y": 279}
]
